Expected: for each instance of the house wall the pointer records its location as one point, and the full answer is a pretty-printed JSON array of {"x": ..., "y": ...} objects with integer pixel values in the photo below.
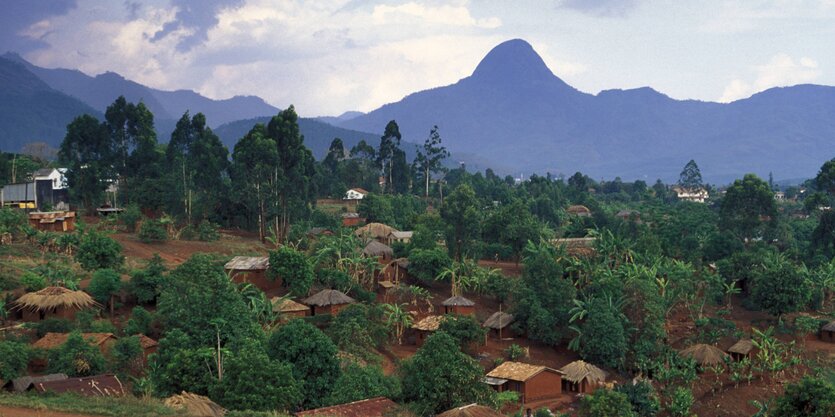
[
  {"x": 546, "y": 384},
  {"x": 460, "y": 310},
  {"x": 256, "y": 278},
  {"x": 827, "y": 336}
]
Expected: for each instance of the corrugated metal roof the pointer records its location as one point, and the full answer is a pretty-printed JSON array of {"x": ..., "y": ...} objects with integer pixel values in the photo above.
[
  {"x": 498, "y": 320},
  {"x": 91, "y": 386},
  {"x": 23, "y": 383},
  {"x": 518, "y": 371},
  {"x": 19, "y": 192},
  {"x": 458, "y": 301},
  {"x": 373, "y": 407}
]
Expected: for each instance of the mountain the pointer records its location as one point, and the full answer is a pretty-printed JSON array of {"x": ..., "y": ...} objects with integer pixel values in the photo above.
[
  {"x": 515, "y": 112},
  {"x": 32, "y": 111},
  {"x": 344, "y": 117},
  {"x": 100, "y": 91}
]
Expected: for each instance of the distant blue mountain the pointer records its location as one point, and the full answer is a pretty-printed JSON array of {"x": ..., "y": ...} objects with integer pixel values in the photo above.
[{"x": 515, "y": 112}]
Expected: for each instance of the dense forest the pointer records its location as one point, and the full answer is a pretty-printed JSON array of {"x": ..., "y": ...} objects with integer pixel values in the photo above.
[{"x": 658, "y": 275}]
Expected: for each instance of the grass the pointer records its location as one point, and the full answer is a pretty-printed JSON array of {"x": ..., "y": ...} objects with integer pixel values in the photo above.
[{"x": 100, "y": 406}]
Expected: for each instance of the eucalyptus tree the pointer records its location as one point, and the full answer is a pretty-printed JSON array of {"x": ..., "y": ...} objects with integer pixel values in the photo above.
[{"x": 253, "y": 162}]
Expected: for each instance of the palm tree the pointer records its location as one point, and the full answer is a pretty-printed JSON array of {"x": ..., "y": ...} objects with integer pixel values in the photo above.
[
  {"x": 399, "y": 319},
  {"x": 259, "y": 304},
  {"x": 451, "y": 272},
  {"x": 730, "y": 290}
]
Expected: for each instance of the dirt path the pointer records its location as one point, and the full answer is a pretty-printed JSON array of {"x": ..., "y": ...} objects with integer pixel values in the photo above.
[{"x": 31, "y": 412}]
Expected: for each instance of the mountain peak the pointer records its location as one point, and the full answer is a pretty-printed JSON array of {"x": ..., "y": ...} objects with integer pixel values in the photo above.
[{"x": 513, "y": 59}]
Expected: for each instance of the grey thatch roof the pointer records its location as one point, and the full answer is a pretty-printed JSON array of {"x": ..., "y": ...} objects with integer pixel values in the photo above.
[
  {"x": 401, "y": 235},
  {"x": 743, "y": 346},
  {"x": 248, "y": 263},
  {"x": 577, "y": 371},
  {"x": 328, "y": 298},
  {"x": 472, "y": 410},
  {"x": 499, "y": 320},
  {"x": 458, "y": 301},
  {"x": 53, "y": 297},
  {"x": 705, "y": 355},
  {"x": 23, "y": 383},
  {"x": 829, "y": 327},
  {"x": 375, "y": 248}
]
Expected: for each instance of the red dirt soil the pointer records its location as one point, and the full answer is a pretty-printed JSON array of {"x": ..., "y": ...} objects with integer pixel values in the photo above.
[{"x": 31, "y": 412}]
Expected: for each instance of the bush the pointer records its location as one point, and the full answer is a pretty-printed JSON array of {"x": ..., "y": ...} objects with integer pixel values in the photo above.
[
  {"x": 811, "y": 397},
  {"x": 152, "y": 231},
  {"x": 52, "y": 325},
  {"x": 32, "y": 282},
  {"x": 76, "y": 357},
  {"x": 207, "y": 231},
  {"x": 466, "y": 330},
  {"x": 130, "y": 217},
  {"x": 426, "y": 264},
  {"x": 97, "y": 251},
  {"x": 604, "y": 402},
  {"x": 507, "y": 397},
  {"x": 127, "y": 355},
  {"x": 104, "y": 286},
  {"x": 360, "y": 382},
  {"x": 14, "y": 359},
  {"x": 140, "y": 321},
  {"x": 146, "y": 284},
  {"x": 643, "y": 398},
  {"x": 514, "y": 352},
  {"x": 293, "y": 268}
]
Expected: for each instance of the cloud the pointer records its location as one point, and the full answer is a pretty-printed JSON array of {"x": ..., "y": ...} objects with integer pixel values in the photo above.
[
  {"x": 780, "y": 71},
  {"x": 442, "y": 15},
  {"x": 196, "y": 18},
  {"x": 602, "y": 8},
  {"x": 18, "y": 17}
]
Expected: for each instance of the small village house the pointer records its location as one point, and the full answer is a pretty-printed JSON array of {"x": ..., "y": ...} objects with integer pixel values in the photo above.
[
  {"x": 459, "y": 305},
  {"x": 372, "y": 407},
  {"x": 351, "y": 219},
  {"x": 26, "y": 383},
  {"x": 251, "y": 269},
  {"x": 328, "y": 302},
  {"x": 399, "y": 237},
  {"x": 629, "y": 215},
  {"x": 395, "y": 271},
  {"x": 52, "y": 221},
  {"x": 375, "y": 231},
  {"x": 103, "y": 341},
  {"x": 744, "y": 348},
  {"x": 288, "y": 309},
  {"x": 498, "y": 324},
  {"x": 827, "y": 333},
  {"x": 53, "y": 302},
  {"x": 149, "y": 346},
  {"x": 471, "y": 410},
  {"x": 579, "y": 211},
  {"x": 381, "y": 251},
  {"x": 582, "y": 377},
  {"x": 424, "y": 327},
  {"x": 532, "y": 382},
  {"x": 48, "y": 190},
  {"x": 705, "y": 355}
]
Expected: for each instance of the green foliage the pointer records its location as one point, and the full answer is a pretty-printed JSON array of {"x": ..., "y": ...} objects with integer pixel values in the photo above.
[
  {"x": 126, "y": 355},
  {"x": 104, "y": 285},
  {"x": 88, "y": 153},
  {"x": 207, "y": 231},
  {"x": 358, "y": 382},
  {"x": 12, "y": 221},
  {"x": 426, "y": 264},
  {"x": 642, "y": 396},
  {"x": 76, "y": 357},
  {"x": 376, "y": 209},
  {"x": 440, "y": 377},
  {"x": 604, "y": 335},
  {"x": 293, "y": 268},
  {"x": 52, "y": 325},
  {"x": 130, "y": 217},
  {"x": 780, "y": 286},
  {"x": 14, "y": 359},
  {"x": 690, "y": 177},
  {"x": 110, "y": 406},
  {"x": 514, "y": 352},
  {"x": 358, "y": 330},
  {"x": 313, "y": 357},
  {"x": 462, "y": 213},
  {"x": 251, "y": 381},
  {"x": 466, "y": 330},
  {"x": 811, "y": 397},
  {"x": 97, "y": 251},
  {"x": 152, "y": 231},
  {"x": 748, "y": 208},
  {"x": 147, "y": 283},
  {"x": 179, "y": 366},
  {"x": 604, "y": 402},
  {"x": 140, "y": 321},
  {"x": 681, "y": 402},
  {"x": 32, "y": 282}
]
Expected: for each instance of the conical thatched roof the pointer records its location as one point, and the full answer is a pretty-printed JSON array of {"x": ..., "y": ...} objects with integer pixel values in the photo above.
[
  {"x": 286, "y": 305},
  {"x": 705, "y": 355},
  {"x": 577, "y": 371},
  {"x": 458, "y": 301},
  {"x": 472, "y": 410},
  {"x": 328, "y": 298},
  {"x": 195, "y": 405},
  {"x": 51, "y": 298},
  {"x": 374, "y": 231},
  {"x": 375, "y": 248}
]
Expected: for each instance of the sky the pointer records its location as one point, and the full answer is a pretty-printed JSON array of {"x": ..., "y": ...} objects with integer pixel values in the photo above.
[{"x": 331, "y": 56}]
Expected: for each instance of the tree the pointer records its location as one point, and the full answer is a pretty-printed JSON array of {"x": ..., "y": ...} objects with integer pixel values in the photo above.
[
  {"x": 293, "y": 268},
  {"x": 376, "y": 209},
  {"x": 104, "y": 286},
  {"x": 811, "y": 397},
  {"x": 14, "y": 359},
  {"x": 748, "y": 208},
  {"x": 96, "y": 251},
  {"x": 179, "y": 366},
  {"x": 362, "y": 382},
  {"x": 389, "y": 145},
  {"x": 426, "y": 264},
  {"x": 126, "y": 355},
  {"x": 461, "y": 214},
  {"x": 147, "y": 283},
  {"x": 605, "y": 402},
  {"x": 88, "y": 153},
  {"x": 440, "y": 377},
  {"x": 825, "y": 180},
  {"x": 512, "y": 225},
  {"x": 313, "y": 357},
  {"x": 779, "y": 286},
  {"x": 429, "y": 159},
  {"x": 466, "y": 330},
  {"x": 76, "y": 357},
  {"x": 253, "y": 173},
  {"x": 642, "y": 396},
  {"x": 398, "y": 319},
  {"x": 690, "y": 177},
  {"x": 251, "y": 381},
  {"x": 603, "y": 334}
]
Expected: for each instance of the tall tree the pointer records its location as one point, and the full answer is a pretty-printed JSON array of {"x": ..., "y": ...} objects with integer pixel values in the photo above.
[
  {"x": 748, "y": 208},
  {"x": 429, "y": 158},
  {"x": 825, "y": 180},
  {"x": 87, "y": 152},
  {"x": 389, "y": 145},
  {"x": 690, "y": 177},
  {"x": 462, "y": 216},
  {"x": 253, "y": 167}
]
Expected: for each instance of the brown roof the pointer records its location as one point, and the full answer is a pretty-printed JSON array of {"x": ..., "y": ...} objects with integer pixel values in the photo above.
[
  {"x": 472, "y": 410},
  {"x": 374, "y": 407},
  {"x": 195, "y": 405},
  {"x": 579, "y": 370},
  {"x": 146, "y": 342},
  {"x": 54, "y": 340},
  {"x": 458, "y": 301},
  {"x": 53, "y": 297},
  {"x": 248, "y": 263},
  {"x": 360, "y": 190},
  {"x": 328, "y": 298},
  {"x": 91, "y": 386},
  {"x": 498, "y": 320},
  {"x": 428, "y": 323},
  {"x": 374, "y": 231},
  {"x": 375, "y": 248},
  {"x": 743, "y": 346},
  {"x": 286, "y": 305},
  {"x": 518, "y": 371},
  {"x": 577, "y": 209},
  {"x": 705, "y": 355}
]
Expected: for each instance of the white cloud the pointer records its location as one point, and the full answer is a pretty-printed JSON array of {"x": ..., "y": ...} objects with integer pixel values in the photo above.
[
  {"x": 443, "y": 15},
  {"x": 780, "y": 71}
]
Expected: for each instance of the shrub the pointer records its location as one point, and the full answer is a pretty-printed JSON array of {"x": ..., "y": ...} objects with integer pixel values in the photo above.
[
  {"x": 681, "y": 402},
  {"x": 127, "y": 355},
  {"x": 604, "y": 402},
  {"x": 360, "y": 382},
  {"x": 514, "y": 352},
  {"x": 104, "y": 286},
  {"x": 76, "y": 357},
  {"x": 140, "y": 321},
  {"x": 466, "y": 330},
  {"x": 811, "y": 397},
  {"x": 507, "y": 397},
  {"x": 97, "y": 251},
  {"x": 130, "y": 217},
  {"x": 426, "y": 264},
  {"x": 52, "y": 325},
  {"x": 32, "y": 282},
  {"x": 14, "y": 358},
  {"x": 643, "y": 398},
  {"x": 293, "y": 268},
  {"x": 207, "y": 231},
  {"x": 146, "y": 284},
  {"x": 152, "y": 231}
]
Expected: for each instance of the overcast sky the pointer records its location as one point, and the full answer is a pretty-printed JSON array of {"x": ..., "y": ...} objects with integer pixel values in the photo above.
[{"x": 327, "y": 57}]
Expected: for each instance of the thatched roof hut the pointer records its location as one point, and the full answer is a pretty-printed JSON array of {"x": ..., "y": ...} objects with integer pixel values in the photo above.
[
  {"x": 579, "y": 371},
  {"x": 328, "y": 301},
  {"x": 378, "y": 231},
  {"x": 458, "y": 301},
  {"x": 381, "y": 250},
  {"x": 59, "y": 301},
  {"x": 195, "y": 405},
  {"x": 428, "y": 323},
  {"x": 286, "y": 305},
  {"x": 472, "y": 410},
  {"x": 498, "y": 320},
  {"x": 742, "y": 347},
  {"x": 578, "y": 210},
  {"x": 705, "y": 355}
]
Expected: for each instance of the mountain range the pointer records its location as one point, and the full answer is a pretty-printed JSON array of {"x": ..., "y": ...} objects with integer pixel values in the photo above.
[{"x": 512, "y": 114}]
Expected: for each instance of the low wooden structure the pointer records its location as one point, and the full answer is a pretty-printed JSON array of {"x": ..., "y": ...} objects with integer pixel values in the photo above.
[
  {"x": 372, "y": 407},
  {"x": 827, "y": 333},
  {"x": 705, "y": 355},
  {"x": 52, "y": 221},
  {"x": 459, "y": 305},
  {"x": 744, "y": 348},
  {"x": 498, "y": 324},
  {"x": 532, "y": 382},
  {"x": 472, "y": 410},
  {"x": 381, "y": 251},
  {"x": 425, "y": 327},
  {"x": 58, "y": 302},
  {"x": 288, "y": 308},
  {"x": 251, "y": 269},
  {"x": 582, "y": 377},
  {"x": 396, "y": 271},
  {"x": 328, "y": 302},
  {"x": 399, "y": 237},
  {"x": 107, "y": 385},
  {"x": 103, "y": 341}
]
